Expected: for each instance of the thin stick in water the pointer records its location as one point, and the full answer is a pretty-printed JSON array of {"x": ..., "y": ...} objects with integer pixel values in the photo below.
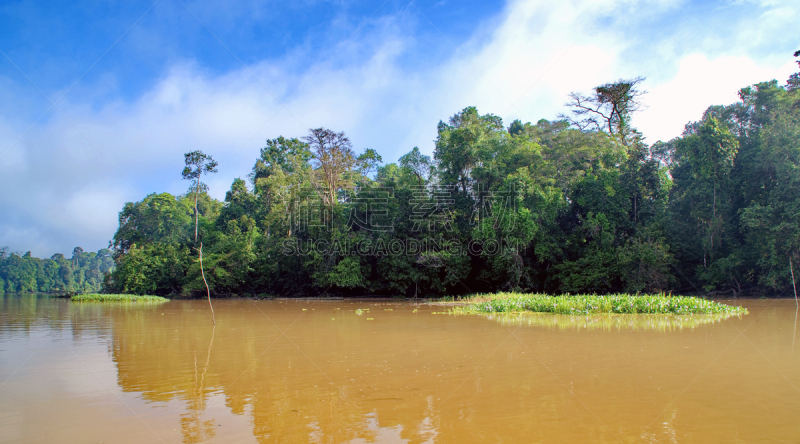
[
  {"x": 796, "y": 312},
  {"x": 203, "y": 273},
  {"x": 791, "y": 269}
]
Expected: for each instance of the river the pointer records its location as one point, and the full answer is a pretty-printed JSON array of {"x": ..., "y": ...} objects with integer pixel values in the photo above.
[{"x": 289, "y": 371}]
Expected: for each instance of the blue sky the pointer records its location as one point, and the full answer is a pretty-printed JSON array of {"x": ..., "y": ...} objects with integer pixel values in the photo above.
[
  {"x": 54, "y": 46},
  {"x": 137, "y": 84}
]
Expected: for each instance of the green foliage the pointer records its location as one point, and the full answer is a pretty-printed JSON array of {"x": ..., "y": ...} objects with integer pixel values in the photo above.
[
  {"x": 734, "y": 205},
  {"x": 84, "y": 272},
  {"x": 157, "y": 218},
  {"x": 772, "y": 223},
  {"x": 197, "y": 164},
  {"x": 593, "y": 304},
  {"x": 576, "y": 205},
  {"x": 645, "y": 261},
  {"x": 417, "y": 164},
  {"x": 155, "y": 268},
  {"x": 345, "y": 274},
  {"x": 459, "y": 144},
  {"x": 609, "y": 109},
  {"x": 281, "y": 154},
  {"x": 94, "y": 297}
]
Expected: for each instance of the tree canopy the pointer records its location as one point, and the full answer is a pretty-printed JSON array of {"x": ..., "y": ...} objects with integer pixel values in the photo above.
[
  {"x": 578, "y": 204},
  {"x": 83, "y": 272}
]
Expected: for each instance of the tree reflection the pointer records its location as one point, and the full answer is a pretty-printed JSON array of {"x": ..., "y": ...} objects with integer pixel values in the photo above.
[
  {"x": 194, "y": 429},
  {"x": 331, "y": 376},
  {"x": 296, "y": 389},
  {"x": 659, "y": 322}
]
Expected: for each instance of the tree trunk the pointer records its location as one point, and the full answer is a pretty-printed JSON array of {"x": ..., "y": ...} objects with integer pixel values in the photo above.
[
  {"x": 714, "y": 204},
  {"x": 196, "y": 214}
]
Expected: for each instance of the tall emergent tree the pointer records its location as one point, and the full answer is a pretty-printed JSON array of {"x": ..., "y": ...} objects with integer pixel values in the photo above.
[
  {"x": 608, "y": 109},
  {"x": 197, "y": 164},
  {"x": 333, "y": 158}
]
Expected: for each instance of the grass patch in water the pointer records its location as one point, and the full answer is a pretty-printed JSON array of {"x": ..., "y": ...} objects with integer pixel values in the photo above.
[
  {"x": 590, "y": 304},
  {"x": 95, "y": 297}
]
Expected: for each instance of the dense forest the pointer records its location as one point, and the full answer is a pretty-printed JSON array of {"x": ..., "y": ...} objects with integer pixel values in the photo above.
[
  {"x": 580, "y": 204},
  {"x": 82, "y": 273}
]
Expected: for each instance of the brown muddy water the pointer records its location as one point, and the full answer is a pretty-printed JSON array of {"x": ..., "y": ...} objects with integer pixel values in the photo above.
[{"x": 320, "y": 372}]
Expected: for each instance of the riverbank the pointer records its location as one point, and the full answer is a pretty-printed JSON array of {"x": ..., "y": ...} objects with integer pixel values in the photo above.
[{"x": 587, "y": 304}]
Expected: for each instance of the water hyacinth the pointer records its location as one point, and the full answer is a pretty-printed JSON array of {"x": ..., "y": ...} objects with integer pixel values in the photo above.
[
  {"x": 95, "y": 297},
  {"x": 592, "y": 304}
]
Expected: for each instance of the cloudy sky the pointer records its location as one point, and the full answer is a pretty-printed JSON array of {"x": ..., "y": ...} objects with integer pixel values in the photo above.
[{"x": 99, "y": 100}]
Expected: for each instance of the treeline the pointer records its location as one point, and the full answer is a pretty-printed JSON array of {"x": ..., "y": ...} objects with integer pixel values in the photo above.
[
  {"x": 581, "y": 204},
  {"x": 83, "y": 273}
]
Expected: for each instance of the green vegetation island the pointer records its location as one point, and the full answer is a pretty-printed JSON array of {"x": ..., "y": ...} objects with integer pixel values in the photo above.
[
  {"x": 581, "y": 205},
  {"x": 95, "y": 297},
  {"x": 588, "y": 304}
]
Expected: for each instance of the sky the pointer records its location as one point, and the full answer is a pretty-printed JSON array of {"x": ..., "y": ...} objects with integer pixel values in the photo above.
[{"x": 100, "y": 100}]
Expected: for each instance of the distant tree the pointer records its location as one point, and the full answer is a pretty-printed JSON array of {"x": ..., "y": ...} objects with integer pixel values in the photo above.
[
  {"x": 516, "y": 128},
  {"x": 417, "y": 164},
  {"x": 368, "y": 161},
  {"x": 608, "y": 109},
  {"x": 239, "y": 201},
  {"x": 77, "y": 252},
  {"x": 793, "y": 83},
  {"x": 280, "y": 154},
  {"x": 773, "y": 222},
  {"x": 197, "y": 164},
  {"x": 459, "y": 143},
  {"x": 703, "y": 200},
  {"x": 333, "y": 158},
  {"x": 156, "y": 218}
]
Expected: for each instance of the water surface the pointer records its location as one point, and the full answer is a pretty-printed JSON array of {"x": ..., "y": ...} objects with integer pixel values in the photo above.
[{"x": 318, "y": 371}]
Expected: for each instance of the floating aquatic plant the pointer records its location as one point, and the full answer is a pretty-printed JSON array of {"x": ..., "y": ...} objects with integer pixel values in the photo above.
[
  {"x": 96, "y": 297},
  {"x": 591, "y": 304}
]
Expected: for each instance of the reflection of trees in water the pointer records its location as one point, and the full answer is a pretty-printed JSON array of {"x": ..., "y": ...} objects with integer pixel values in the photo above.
[
  {"x": 28, "y": 312},
  {"x": 401, "y": 377},
  {"x": 194, "y": 429},
  {"x": 285, "y": 390},
  {"x": 350, "y": 379},
  {"x": 609, "y": 322},
  {"x": 421, "y": 378},
  {"x": 281, "y": 414}
]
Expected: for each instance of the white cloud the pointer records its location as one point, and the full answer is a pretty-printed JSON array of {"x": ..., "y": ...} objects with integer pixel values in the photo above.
[
  {"x": 60, "y": 191},
  {"x": 698, "y": 84}
]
